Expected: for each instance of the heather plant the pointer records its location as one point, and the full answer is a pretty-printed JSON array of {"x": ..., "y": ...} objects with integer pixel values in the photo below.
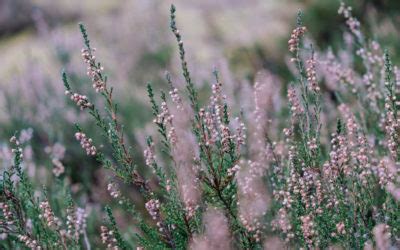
[{"x": 315, "y": 169}]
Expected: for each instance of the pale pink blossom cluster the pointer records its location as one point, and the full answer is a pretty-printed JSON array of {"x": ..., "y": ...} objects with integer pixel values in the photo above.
[
  {"x": 339, "y": 157},
  {"x": 80, "y": 222},
  {"x": 76, "y": 222},
  {"x": 388, "y": 173},
  {"x": 288, "y": 146},
  {"x": 113, "y": 189},
  {"x": 312, "y": 74},
  {"x": 48, "y": 216},
  {"x": 240, "y": 133},
  {"x": 191, "y": 205},
  {"x": 294, "y": 40},
  {"x": 226, "y": 138},
  {"x": 372, "y": 55},
  {"x": 339, "y": 161},
  {"x": 14, "y": 140},
  {"x": 252, "y": 225},
  {"x": 81, "y": 101},
  {"x": 32, "y": 244},
  {"x": 93, "y": 69},
  {"x": 307, "y": 227},
  {"x": 391, "y": 127},
  {"x": 312, "y": 144},
  {"x": 295, "y": 105},
  {"x": 282, "y": 223},
  {"x": 175, "y": 97},
  {"x": 215, "y": 128},
  {"x": 149, "y": 155},
  {"x": 153, "y": 208},
  {"x": 216, "y": 101},
  {"x": 108, "y": 238},
  {"x": 7, "y": 214},
  {"x": 341, "y": 228},
  {"x": 351, "y": 125},
  {"x": 166, "y": 118},
  {"x": 58, "y": 167},
  {"x": 352, "y": 22},
  {"x": 360, "y": 149},
  {"x": 86, "y": 143},
  {"x": 233, "y": 170},
  {"x": 56, "y": 152},
  {"x": 305, "y": 185},
  {"x": 209, "y": 137},
  {"x": 372, "y": 91},
  {"x": 285, "y": 196}
]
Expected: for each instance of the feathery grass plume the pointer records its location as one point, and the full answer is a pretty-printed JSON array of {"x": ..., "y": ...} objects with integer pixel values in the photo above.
[{"x": 216, "y": 233}]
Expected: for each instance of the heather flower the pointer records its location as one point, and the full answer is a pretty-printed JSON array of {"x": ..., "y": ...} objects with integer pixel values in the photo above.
[
  {"x": 341, "y": 229},
  {"x": 58, "y": 167},
  {"x": 165, "y": 118},
  {"x": 108, "y": 238},
  {"x": 391, "y": 126},
  {"x": 153, "y": 208},
  {"x": 94, "y": 70},
  {"x": 294, "y": 40},
  {"x": 7, "y": 214},
  {"x": 32, "y": 244},
  {"x": 76, "y": 222},
  {"x": 48, "y": 215},
  {"x": 113, "y": 189},
  {"x": 312, "y": 74},
  {"x": 176, "y": 98},
  {"x": 86, "y": 143},
  {"x": 312, "y": 144},
  {"x": 337, "y": 73},
  {"x": 351, "y": 125},
  {"x": 81, "y": 101},
  {"x": 352, "y": 22},
  {"x": 240, "y": 133},
  {"x": 232, "y": 171},
  {"x": 308, "y": 230},
  {"x": 174, "y": 94},
  {"x": 282, "y": 223},
  {"x": 296, "y": 107},
  {"x": 149, "y": 155}
]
